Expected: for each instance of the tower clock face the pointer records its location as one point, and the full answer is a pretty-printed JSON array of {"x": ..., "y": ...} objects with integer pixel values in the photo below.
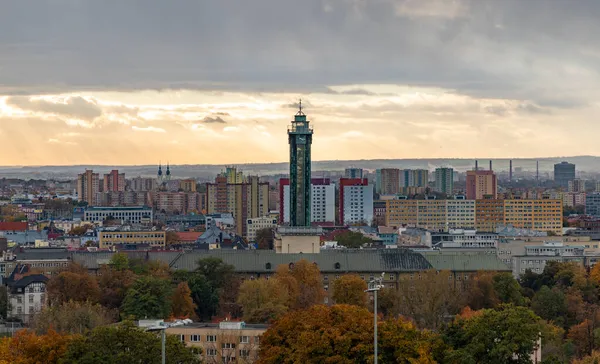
[{"x": 302, "y": 139}]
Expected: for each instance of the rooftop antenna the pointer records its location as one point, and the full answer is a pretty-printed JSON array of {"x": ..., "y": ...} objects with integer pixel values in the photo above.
[{"x": 300, "y": 108}]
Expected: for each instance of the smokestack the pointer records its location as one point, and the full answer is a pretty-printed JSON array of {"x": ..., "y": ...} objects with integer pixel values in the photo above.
[
  {"x": 510, "y": 171},
  {"x": 476, "y": 167},
  {"x": 537, "y": 173},
  {"x": 491, "y": 165}
]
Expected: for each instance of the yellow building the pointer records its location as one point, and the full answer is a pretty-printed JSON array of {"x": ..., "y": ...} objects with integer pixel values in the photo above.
[
  {"x": 113, "y": 239},
  {"x": 540, "y": 215},
  {"x": 485, "y": 215},
  {"x": 225, "y": 342},
  {"x": 188, "y": 185},
  {"x": 243, "y": 200},
  {"x": 234, "y": 176}
]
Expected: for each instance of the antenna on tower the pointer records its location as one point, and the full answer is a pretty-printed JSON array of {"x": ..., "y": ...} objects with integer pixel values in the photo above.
[
  {"x": 537, "y": 173},
  {"x": 300, "y": 108}
]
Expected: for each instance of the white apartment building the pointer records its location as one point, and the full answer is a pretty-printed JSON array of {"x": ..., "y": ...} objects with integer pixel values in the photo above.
[
  {"x": 356, "y": 204},
  {"x": 255, "y": 224},
  {"x": 322, "y": 206}
]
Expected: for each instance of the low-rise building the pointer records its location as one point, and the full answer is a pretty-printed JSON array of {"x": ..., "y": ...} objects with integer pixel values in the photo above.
[
  {"x": 225, "y": 342},
  {"x": 116, "y": 239},
  {"x": 254, "y": 225},
  {"x": 26, "y": 296},
  {"x": 127, "y": 215},
  {"x": 537, "y": 256}
]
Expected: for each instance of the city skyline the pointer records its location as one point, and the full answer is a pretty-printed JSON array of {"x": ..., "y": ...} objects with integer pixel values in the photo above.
[{"x": 381, "y": 80}]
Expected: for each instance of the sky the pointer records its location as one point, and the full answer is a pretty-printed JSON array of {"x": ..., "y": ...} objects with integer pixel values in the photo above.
[{"x": 126, "y": 82}]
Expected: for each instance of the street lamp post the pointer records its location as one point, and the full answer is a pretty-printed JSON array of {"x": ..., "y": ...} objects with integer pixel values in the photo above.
[
  {"x": 374, "y": 286},
  {"x": 162, "y": 327}
]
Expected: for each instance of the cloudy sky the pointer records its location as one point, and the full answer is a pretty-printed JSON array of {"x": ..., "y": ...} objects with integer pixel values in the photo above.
[{"x": 204, "y": 81}]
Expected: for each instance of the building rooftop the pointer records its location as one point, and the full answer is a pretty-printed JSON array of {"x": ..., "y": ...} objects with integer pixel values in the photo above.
[
  {"x": 464, "y": 262},
  {"x": 103, "y": 208}
]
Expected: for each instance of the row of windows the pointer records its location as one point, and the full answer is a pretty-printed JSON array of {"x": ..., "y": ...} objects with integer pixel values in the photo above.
[{"x": 213, "y": 339}]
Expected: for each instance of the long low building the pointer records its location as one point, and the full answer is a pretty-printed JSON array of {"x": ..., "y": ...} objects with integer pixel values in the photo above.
[
  {"x": 127, "y": 215},
  {"x": 396, "y": 265},
  {"x": 483, "y": 215}
]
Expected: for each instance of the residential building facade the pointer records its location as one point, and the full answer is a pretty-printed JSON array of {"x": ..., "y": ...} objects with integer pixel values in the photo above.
[
  {"x": 481, "y": 185},
  {"x": 356, "y": 201},
  {"x": 88, "y": 185},
  {"x": 255, "y": 224},
  {"x": 389, "y": 181},
  {"x": 444, "y": 180},
  {"x": 322, "y": 201},
  {"x": 563, "y": 173},
  {"x": 132, "y": 239},
  {"x": 127, "y": 215}
]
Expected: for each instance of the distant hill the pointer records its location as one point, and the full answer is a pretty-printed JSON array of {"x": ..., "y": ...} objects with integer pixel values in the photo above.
[{"x": 205, "y": 171}]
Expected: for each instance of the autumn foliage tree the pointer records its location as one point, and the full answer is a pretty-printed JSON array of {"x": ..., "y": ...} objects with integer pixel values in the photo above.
[
  {"x": 182, "y": 305},
  {"x": 72, "y": 318},
  {"x": 68, "y": 286},
  {"x": 350, "y": 289},
  {"x": 25, "y": 347},
  {"x": 303, "y": 282},
  {"x": 263, "y": 300},
  {"x": 342, "y": 334},
  {"x": 114, "y": 284}
]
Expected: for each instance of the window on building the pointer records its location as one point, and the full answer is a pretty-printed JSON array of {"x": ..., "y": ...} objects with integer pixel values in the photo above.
[
  {"x": 211, "y": 338},
  {"x": 228, "y": 346},
  {"x": 244, "y": 353},
  {"x": 256, "y": 340},
  {"x": 211, "y": 352},
  {"x": 244, "y": 339}
]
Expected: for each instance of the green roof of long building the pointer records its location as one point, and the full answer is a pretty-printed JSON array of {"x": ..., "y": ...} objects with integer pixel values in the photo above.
[{"x": 262, "y": 261}]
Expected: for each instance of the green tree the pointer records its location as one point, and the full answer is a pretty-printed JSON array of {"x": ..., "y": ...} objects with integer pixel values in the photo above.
[
  {"x": 351, "y": 239},
  {"x": 119, "y": 261},
  {"x": 506, "y": 335},
  {"x": 72, "y": 318},
  {"x": 264, "y": 239},
  {"x": 263, "y": 300},
  {"x": 149, "y": 297},
  {"x": 550, "y": 305},
  {"x": 205, "y": 297},
  {"x": 125, "y": 344},
  {"x": 350, "y": 289},
  {"x": 216, "y": 271},
  {"x": 508, "y": 289}
]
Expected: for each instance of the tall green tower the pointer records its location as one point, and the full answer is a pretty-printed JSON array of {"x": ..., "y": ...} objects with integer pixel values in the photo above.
[{"x": 300, "y": 139}]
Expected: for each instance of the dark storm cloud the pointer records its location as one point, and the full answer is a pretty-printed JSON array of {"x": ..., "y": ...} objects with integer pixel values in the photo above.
[
  {"x": 213, "y": 120},
  {"x": 486, "y": 48}
]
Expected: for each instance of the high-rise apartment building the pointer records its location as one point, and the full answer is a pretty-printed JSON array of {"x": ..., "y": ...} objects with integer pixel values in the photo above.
[
  {"x": 576, "y": 185},
  {"x": 88, "y": 186},
  {"x": 481, "y": 185},
  {"x": 322, "y": 204},
  {"x": 142, "y": 184},
  {"x": 243, "y": 200},
  {"x": 114, "y": 182},
  {"x": 414, "y": 178},
  {"x": 444, "y": 180},
  {"x": 356, "y": 201},
  {"x": 188, "y": 185},
  {"x": 563, "y": 173},
  {"x": 389, "y": 181},
  {"x": 300, "y": 135},
  {"x": 484, "y": 215},
  {"x": 233, "y": 175},
  {"x": 592, "y": 204},
  {"x": 353, "y": 173}
]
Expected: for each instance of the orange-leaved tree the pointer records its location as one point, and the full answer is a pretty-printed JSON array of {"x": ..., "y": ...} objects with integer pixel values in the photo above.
[
  {"x": 28, "y": 348},
  {"x": 182, "y": 305},
  {"x": 350, "y": 289},
  {"x": 303, "y": 282},
  {"x": 342, "y": 334},
  {"x": 68, "y": 286}
]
